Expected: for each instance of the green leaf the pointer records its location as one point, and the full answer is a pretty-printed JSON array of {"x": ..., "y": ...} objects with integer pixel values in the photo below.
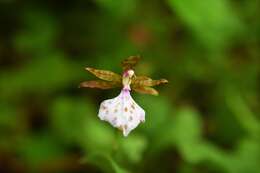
[
  {"x": 244, "y": 115},
  {"x": 122, "y": 9},
  {"x": 104, "y": 162},
  {"x": 246, "y": 157},
  {"x": 77, "y": 122},
  {"x": 57, "y": 70},
  {"x": 213, "y": 21},
  {"x": 158, "y": 112},
  {"x": 38, "y": 33},
  {"x": 132, "y": 147},
  {"x": 38, "y": 150}
]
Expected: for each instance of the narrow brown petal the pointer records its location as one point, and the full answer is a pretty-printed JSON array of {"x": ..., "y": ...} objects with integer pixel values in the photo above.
[
  {"x": 158, "y": 82},
  {"x": 146, "y": 90},
  {"x": 130, "y": 62},
  {"x": 105, "y": 75},
  {"x": 98, "y": 84},
  {"x": 146, "y": 81}
]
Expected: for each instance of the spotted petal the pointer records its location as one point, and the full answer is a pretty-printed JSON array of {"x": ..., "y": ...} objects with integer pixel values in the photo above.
[{"x": 122, "y": 112}]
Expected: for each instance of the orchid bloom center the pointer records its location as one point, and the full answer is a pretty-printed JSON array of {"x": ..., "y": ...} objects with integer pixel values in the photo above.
[
  {"x": 127, "y": 79},
  {"x": 122, "y": 111}
]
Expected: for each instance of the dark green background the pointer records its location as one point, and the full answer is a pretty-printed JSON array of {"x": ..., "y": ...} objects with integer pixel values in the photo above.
[{"x": 206, "y": 120}]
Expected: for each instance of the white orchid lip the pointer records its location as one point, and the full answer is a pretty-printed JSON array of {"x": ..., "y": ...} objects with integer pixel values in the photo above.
[{"x": 122, "y": 111}]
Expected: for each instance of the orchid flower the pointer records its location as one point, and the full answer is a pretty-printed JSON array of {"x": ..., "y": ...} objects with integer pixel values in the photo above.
[{"x": 122, "y": 111}]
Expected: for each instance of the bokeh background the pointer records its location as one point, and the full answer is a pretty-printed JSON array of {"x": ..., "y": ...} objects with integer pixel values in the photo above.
[{"x": 206, "y": 120}]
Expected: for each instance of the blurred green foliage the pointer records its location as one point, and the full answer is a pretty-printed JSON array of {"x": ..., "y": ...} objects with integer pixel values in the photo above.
[{"x": 205, "y": 120}]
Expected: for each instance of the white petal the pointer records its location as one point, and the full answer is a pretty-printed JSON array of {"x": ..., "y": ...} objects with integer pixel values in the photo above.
[{"x": 122, "y": 112}]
